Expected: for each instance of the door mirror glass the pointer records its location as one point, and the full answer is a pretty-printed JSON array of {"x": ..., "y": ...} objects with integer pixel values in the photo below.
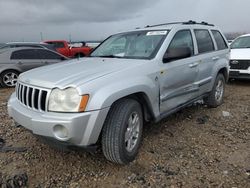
[{"x": 173, "y": 54}]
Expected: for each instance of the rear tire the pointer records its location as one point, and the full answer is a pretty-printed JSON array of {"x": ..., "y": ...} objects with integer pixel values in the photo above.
[
  {"x": 122, "y": 131},
  {"x": 9, "y": 78},
  {"x": 215, "y": 97}
]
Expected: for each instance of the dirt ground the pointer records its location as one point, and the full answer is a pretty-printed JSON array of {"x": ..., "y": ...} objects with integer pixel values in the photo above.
[{"x": 196, "y": 147}]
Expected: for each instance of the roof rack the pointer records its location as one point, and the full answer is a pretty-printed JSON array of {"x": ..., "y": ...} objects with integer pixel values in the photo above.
[{"x": 184, "y": 23}]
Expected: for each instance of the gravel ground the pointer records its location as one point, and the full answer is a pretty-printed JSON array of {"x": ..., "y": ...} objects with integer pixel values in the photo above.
[{"x": 196, "y": 147}]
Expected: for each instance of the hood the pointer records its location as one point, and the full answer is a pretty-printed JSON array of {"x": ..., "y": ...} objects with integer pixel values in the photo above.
[
  {"x": 240, "y": 54},
  {"x": 76, "y": 72}
]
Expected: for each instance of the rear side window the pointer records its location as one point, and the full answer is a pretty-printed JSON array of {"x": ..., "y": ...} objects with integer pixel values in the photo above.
[
  {"x": 45, "y": 54},
  {"x": 34, "y": 54},
  {"x": 182, "y": 39},
  {"x": 24, "y": 54},
  {"x": 221, "y": 43},
  {"x": 57, "y": 44},
  {"x": 204, "y": 41}
]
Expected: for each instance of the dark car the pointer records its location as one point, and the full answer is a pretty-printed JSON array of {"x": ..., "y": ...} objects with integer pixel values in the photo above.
[
  {"x": 14, "y": 61},
  {"x": 27, "y": 44}
]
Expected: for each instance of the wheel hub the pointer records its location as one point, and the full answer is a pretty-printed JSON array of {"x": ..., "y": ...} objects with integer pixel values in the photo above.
[
  {"x": 10, "y": 79},
  {"x": 219, "y": 90},
  {"x": 132, "y": 132}
]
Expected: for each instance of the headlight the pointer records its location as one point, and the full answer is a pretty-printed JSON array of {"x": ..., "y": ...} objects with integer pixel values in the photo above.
[{"x": 67, "y": 100}]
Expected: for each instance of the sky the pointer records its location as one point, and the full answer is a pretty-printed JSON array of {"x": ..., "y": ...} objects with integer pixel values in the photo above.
[{"x": 81, "y": 20}]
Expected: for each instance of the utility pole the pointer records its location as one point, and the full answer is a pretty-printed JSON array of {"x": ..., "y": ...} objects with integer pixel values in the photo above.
[
  {"x": 41, "y": 35},
  {"x": 70, "y": 38}
]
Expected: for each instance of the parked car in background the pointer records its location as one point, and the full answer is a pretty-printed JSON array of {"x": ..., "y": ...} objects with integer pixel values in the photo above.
[
  {"x": 240, "y": 58},
  {"x": 93, "y": 44},
  {"x": 69, "y": 50},
  {"x": 229, "y": 41},
  {"x": 131, "y": 78},
  {"x": 14, "y": 61},
  {"x": 28, "y": 44}
]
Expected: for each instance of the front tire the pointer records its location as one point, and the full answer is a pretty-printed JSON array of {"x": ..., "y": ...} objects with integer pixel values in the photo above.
[
  {"x": 215, "y": 97},
  {"x": 122, "y": 131},
  {"x": 9, "y": 78}
]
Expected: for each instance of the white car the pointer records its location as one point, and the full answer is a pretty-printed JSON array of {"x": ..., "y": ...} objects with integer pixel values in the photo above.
[{"x": 240, "y": 58}]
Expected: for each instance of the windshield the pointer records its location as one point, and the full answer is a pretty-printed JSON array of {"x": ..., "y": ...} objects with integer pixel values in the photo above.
[
  {"x": 133, "y": 45},
  {"x": 242, "y": 42}
]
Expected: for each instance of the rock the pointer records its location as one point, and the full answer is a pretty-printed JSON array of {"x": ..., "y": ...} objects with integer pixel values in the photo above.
[
  {"x": 248, "y": 172},
  {"x": 226, "y": 114},
  {"x": 225, "y": 172},
  {"x": 18, "y": 180},
  {"x": 2, "y": 142},
  {"x": 202, "y": 119}
]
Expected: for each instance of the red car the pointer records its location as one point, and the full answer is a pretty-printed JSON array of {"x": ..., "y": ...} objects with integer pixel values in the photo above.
[{"x": 70, "y": 51}]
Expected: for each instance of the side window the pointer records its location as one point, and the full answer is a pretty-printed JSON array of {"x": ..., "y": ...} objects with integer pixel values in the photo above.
[
  {"x": 57, "y": 44},
  {"x": 182, "y": 39},
  {"x": 24, "y": 54},
  {"x": 204, "y": 41},
  {"x": 221, "y": 43},
  {"x": 45, "y": 54}
]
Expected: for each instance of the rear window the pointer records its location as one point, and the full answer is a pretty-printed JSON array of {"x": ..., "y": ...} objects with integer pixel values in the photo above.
[
  {"x": 221, "y": 43},
  {"x": 204, "y": 41}
]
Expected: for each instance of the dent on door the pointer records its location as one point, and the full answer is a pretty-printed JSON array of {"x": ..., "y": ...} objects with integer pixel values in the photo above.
[{"x": 177, "y": 84}]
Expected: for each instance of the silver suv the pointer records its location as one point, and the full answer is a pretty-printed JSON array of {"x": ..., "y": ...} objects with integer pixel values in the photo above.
[{"x": 132, "y": 77}]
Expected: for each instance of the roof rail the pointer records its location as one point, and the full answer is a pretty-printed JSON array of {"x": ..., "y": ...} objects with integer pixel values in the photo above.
[
  {"x": 185, "y": 23},
  {"x": 170, "y": 23}
]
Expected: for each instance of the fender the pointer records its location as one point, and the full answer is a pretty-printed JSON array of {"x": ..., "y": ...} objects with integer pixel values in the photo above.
[
  {"x": 108, "y": 94},
  {"x": 221, "y": 64}
]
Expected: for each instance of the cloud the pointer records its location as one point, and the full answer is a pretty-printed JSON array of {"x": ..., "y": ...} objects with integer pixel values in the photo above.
[
  {"x": 24, "y": 20},
  {"x": 65, "y": 11}
]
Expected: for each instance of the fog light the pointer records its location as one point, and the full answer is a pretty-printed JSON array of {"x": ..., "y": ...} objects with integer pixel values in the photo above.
[{"x": 61, "y": 132}]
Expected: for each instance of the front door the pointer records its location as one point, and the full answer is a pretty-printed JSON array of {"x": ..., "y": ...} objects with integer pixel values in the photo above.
[{"x": 177, "y": 78}]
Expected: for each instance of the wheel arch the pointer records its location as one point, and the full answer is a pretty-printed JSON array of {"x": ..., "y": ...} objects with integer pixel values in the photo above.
[
  {"x": 224, "y": 72},
  {"x": 10, "y": 69},
  {"x": 144, "y": 101}
]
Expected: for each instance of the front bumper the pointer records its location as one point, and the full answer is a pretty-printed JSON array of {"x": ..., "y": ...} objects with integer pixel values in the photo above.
[
  {"x": 82, "y": 129},
  {"x": 239, "y": 74}
]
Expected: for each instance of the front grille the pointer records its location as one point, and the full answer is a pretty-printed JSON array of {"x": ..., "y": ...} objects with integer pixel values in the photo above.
[
  {"x": 242, "y": 64},
  {"x": 32, "y": 97}
]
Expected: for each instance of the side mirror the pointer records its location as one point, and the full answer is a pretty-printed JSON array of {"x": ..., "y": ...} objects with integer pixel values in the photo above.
[{"x": 173, "y": 54}]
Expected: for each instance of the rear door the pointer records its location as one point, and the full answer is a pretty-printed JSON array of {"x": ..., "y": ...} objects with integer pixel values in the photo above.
[
  {"x": 177, "y": 77},
  {"x": 26, "y": 59},
  {"x": 208, "y": 57}
]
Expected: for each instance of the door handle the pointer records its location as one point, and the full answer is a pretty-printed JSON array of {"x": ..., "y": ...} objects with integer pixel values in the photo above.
[
  {"x": 19, "y": 63},
  {"x": 192, "y": 65},
  {"x": 215, "y": 58}
]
